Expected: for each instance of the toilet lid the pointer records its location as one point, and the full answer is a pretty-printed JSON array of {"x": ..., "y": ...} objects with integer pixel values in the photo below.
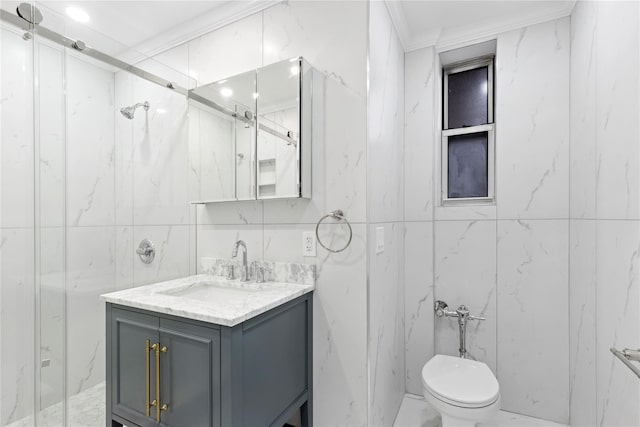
[{"x": 462, "y": 382}]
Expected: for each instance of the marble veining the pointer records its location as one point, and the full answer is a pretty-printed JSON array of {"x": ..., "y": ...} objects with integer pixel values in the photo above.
[
  {"x": 287, "y": 272},
  {"x": 168, "y": 298}
]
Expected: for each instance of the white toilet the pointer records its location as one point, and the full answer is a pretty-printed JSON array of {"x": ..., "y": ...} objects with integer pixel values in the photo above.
[{"x": 463, "y": 391}]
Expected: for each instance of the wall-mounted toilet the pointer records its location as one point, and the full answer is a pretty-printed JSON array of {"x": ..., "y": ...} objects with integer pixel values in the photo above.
[{"x": 463, "y": 391}]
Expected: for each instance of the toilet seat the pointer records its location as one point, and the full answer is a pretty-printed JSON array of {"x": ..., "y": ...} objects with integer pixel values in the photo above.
[{"x": 460, "y": 382}]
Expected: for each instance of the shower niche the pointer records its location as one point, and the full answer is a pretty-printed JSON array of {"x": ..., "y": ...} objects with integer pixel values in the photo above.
[{"x": 250, "y": 135}]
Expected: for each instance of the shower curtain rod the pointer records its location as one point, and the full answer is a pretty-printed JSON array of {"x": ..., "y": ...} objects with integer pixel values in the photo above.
[{"x": 80, "y": 46}]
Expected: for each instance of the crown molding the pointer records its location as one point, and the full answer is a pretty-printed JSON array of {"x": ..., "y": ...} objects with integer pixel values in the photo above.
[
  {"x": 480, "y": 33},
  {"x": 226, "y": 13},
  {"x": 443, "y": 39},
  {"x": 399, "y": 22}
]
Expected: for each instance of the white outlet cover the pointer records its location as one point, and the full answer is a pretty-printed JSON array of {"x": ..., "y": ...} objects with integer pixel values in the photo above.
[
  {"x": 379, "y": 240},
  {"x": 308, "y": 243}
]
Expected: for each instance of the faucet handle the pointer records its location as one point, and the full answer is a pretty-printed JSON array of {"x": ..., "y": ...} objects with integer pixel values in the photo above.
[
  {"x": 260, "y": 275},
  {"x": 230, "y": 273},
  {"x": 472, "y": 317},
  {"x": 440, "y": 307}
]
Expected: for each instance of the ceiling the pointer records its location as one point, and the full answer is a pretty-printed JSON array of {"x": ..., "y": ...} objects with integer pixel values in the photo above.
[
  {"x": 147, "y": 27},
  {"x": 133, "y": 30},
  {"x": 448, "y": 24}
]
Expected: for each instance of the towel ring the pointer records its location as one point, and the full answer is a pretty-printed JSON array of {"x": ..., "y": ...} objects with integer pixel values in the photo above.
[{"x": 338, "y": 215}]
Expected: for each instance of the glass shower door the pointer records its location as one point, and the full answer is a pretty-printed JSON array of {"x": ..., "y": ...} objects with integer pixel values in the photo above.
[{"x": 17, "y": 248}]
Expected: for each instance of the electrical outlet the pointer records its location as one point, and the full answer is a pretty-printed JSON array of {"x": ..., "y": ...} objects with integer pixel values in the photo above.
[
  {"x": 308, "y": 243},
  {"x": 379, "y": 240}
]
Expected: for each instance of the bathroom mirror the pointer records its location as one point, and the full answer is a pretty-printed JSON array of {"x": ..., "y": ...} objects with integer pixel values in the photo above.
[
  {"x": 222, "y": 139},
  {"x": 284, "y": 130},
  {"x": 250, "y": 135}
]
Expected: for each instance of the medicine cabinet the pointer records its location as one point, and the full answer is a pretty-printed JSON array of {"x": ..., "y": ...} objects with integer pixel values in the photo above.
[{"x": 250, "y": 135}]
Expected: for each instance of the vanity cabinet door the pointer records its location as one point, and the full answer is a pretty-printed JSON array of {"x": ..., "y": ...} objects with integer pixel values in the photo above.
[
  {"x": 190, "y": 374},
  {"x": 130, "y": 373}
]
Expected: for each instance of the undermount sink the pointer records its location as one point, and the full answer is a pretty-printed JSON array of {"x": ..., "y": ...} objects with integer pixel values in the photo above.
[{"x": 209, "y": 290}]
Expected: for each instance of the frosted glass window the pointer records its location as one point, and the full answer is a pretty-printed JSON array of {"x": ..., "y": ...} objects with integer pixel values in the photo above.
[
  {"x": 468, "y": 100},
  {"x": 468, "y": 165}
]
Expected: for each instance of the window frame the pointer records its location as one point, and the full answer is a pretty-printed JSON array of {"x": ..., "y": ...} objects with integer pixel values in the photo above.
[{"x": 487, "y": 61}]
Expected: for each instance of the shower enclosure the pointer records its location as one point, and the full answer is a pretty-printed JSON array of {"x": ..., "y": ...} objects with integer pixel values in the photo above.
[{"x": 70, "y": 216}]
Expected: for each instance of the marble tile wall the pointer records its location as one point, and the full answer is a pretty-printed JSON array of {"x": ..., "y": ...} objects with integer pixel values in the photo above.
[
  {"x": 605, "y": 237},
  {"x": 419, "y": 149},
  {"x": 385, "y": 160},
  {"x": 509, "y": 262},
  {"x": 332, "y": 37},
  {"x": 16, "y": 227}
]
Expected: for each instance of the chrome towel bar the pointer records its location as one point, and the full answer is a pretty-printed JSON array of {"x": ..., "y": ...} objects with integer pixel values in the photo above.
[{"x": 627, "y": 356}]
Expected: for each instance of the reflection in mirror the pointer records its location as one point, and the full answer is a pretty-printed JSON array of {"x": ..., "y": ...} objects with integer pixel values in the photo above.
[
  {"x": 278, "y": 140},
  {"x": 221, "y": 139}
]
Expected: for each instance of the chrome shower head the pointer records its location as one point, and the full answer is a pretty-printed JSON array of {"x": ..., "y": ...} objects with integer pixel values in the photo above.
[{"x": 129, "y": 112}]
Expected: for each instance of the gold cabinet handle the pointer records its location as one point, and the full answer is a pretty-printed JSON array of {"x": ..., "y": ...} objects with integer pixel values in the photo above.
[
  {"x": 148, "y": 405},
  {"x": 159, "y": 407}
]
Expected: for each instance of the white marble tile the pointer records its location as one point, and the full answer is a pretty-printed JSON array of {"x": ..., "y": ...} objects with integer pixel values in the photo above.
[
  {"x": 16, "y": 308},
  {"x": 416, "y": 412},
  {"x": 331, "y": 36},
  {"x": 84, "y": 409},
  {"x": 419, "y": 318},
  {"x": 583, "y": 111},
  {"x": 227, "y": 51},
  {"x": 465, "y": 273},
  {"x": 582, "y": 322},
  {"x": 339, "y": 171},
  {"x": 16, "y": 151},
  {"x": 618, "y": 321},
  {"x": 171, "y": 65},
  {"x": 465, "y": 213},
  {"x": 125, "y": 256},
  {"x": 385, "y": 119},
  {"x": 284, "y": 242},
  {"x": 160, "y": 156},
  {"x": 216, "y": 241},
  {"x": 618, "y": 106},
  {"x": 386, "y": 324},
  {"x": 532, "y": 121},
  {"x": 51, "y": 134},
  {"x": 419, "y": 134},
  {"x": 124, "y": 165},
  {"x": 172, "y": 253},
  {"x": 340, "y": 336},
  {"x": 90, "y": 273},
  {"x": 90, "y": 138},
  {"x": 533, "y": 318},
  {"x": 52, "y": 315}
]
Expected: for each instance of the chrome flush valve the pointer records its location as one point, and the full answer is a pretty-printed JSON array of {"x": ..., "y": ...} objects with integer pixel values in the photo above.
[{"x": 462, "y": 313}]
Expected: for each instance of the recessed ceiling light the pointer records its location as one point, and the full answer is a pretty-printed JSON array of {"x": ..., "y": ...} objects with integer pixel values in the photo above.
[
  {"x": 77, "y": 14},
  {"x": 226, "y": 92}
]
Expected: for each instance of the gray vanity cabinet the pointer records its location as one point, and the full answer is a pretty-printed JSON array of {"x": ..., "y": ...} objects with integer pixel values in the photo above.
[
  {"x": 190, "y": 374},
  {"x": 189, "y": 370},
  {"x": 255, "y": 374}
]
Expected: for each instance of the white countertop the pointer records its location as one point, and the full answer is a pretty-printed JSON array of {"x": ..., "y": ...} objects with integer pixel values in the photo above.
[{"x": 252, "y": 300}]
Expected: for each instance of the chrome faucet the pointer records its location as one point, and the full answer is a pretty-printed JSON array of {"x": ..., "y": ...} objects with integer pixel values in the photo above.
[
  {"x": 462, "y": 313},
  {"x": 244, "y": 273}
]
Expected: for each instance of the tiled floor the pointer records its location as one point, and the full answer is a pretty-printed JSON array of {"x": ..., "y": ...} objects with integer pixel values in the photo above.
[
  {"x": 86, "y": 409},
  {"x": 415, "y": 412}
]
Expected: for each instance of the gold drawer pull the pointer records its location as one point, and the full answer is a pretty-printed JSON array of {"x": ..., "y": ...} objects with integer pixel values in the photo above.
[
  {"x": 159, "y": 407},
  {"x": 148, "y": 405}
]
